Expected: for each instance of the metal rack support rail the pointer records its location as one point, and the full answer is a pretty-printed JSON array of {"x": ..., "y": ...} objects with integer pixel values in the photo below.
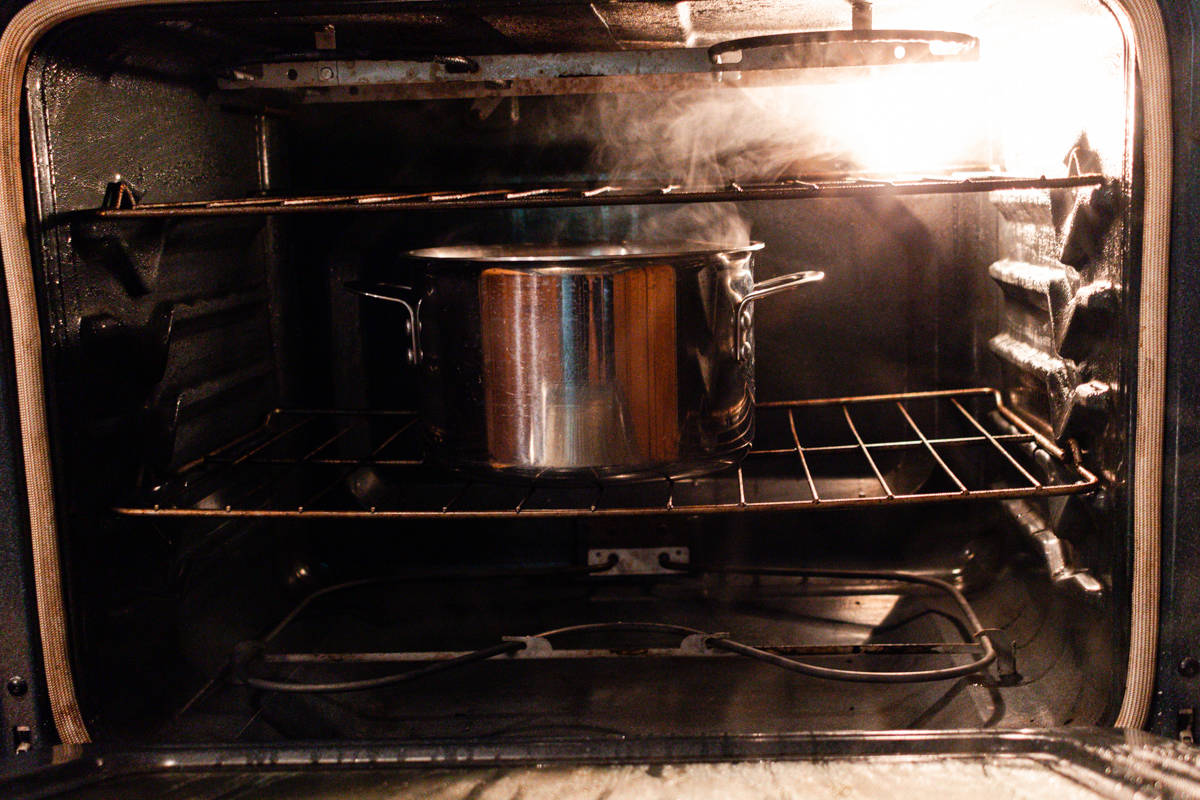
[{"x": 799, "y": 188}]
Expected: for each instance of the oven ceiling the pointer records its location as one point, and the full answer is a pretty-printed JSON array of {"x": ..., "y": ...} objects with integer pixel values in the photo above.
[
  {"x": 415, "y": 29},
  {"x": 440, "y": 29}
]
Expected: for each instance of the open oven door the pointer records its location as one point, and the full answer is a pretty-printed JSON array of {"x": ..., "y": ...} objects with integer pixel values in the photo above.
[{"x": 1060, "y": 763}]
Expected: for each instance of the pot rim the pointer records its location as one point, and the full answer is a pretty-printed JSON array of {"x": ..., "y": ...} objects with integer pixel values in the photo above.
[{"x": 577, "y": 253}]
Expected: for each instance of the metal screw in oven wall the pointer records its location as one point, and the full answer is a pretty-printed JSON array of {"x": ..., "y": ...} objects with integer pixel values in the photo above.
[
  {"x": 1189, "y": 666},
  {"x": 17, "y": 686}
]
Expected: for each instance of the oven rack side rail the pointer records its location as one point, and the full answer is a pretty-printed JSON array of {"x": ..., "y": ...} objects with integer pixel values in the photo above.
[
  {"x": 314, "y": 464},
  {"x": 983, "y": 646},
  {"x": 121, "y": 201}
]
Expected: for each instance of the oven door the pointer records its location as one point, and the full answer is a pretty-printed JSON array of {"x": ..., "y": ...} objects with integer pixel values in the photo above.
[{"x": 1075, "y": 763}]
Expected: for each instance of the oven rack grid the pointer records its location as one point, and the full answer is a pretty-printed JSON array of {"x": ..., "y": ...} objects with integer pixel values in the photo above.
[
  {"x": 879, "y": 450},
  {"x": 982, "y": 647},
  {"x": 121, "y": 202}
]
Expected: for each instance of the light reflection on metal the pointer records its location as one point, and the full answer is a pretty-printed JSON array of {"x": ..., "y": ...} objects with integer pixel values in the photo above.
[
  {"x": 1056, "y": 552},
  {"x": 842, "y": 48}
]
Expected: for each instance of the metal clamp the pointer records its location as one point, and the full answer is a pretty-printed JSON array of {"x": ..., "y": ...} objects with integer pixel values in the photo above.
[
  {"x": 396, "y": 293},
  {"x": 533, "y": 646},
  {"x": 761, "y": 290},
  {"x": 697, "y": 644},
  {"x": 1006, "y": 655}
]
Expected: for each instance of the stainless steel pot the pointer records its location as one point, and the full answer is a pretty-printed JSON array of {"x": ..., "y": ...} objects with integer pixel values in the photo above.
[{"x": 598, "y": 361}]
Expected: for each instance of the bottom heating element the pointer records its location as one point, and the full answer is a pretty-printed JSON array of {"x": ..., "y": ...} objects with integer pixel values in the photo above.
[
  {"x": 858, "y": 451},
  {"x": 979, "y": 648}
]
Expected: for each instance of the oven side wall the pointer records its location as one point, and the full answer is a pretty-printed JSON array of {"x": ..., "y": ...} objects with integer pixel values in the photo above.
[{"x": 161, "y": 342}]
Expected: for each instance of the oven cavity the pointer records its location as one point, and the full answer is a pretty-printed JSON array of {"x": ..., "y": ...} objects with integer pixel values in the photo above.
[{"x": 602, "y": 466}]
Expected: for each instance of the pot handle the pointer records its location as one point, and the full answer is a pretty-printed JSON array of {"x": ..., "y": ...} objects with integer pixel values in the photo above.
[
  {"x": 767, "y": 288},
  {"x": 405, "y": 296}
]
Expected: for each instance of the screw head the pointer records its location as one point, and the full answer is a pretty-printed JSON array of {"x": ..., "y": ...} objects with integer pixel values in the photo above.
[
  {"x": 1189, "y": 666},
  {"x": 17, "y": 686}
]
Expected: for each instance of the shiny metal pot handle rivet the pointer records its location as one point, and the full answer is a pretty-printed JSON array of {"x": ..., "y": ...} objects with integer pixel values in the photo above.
[
  {"x": 765, "y": 289},
  {"x": 405, "y": 296}
]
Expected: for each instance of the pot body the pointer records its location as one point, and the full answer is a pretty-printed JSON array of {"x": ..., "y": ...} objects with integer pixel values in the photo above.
[{"x": 586, "y": 362}]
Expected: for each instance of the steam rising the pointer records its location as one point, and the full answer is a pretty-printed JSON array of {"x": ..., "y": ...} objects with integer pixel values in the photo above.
[
  {"x": 698, "y": 140},
  {"x": 1039, "y": 83}
]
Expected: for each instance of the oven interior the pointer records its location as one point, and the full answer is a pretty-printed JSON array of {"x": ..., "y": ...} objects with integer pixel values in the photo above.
[{"x": 939, "y": 467}]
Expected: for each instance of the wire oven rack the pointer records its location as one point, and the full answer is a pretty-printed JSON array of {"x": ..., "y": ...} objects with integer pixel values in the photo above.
[
  {"x": 121, "y": 201},
  {"x": 880, "y": 450}
]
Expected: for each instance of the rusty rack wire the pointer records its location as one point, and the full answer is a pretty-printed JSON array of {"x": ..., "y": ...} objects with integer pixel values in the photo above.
[
  {"x": 122, "y": 203},
  {"x": 880, "y": 450}
]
